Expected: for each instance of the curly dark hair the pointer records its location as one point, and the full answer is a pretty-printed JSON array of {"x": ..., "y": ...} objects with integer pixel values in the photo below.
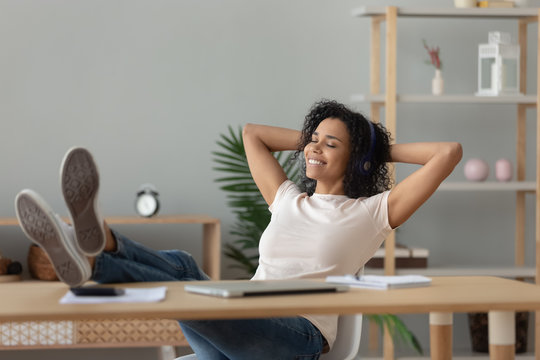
[{"x": 357, "y": 183}]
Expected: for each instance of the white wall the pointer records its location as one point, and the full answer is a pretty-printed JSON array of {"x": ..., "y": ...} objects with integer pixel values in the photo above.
[{"x": 148, "y": 86}]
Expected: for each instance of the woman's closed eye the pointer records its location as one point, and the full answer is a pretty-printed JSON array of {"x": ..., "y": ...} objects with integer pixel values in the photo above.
[{"x": 330, "y": 145}]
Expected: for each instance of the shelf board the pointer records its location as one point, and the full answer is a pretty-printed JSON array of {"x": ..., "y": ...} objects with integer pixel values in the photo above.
[
  {"x": 450, "y": 98},
  {"x": 509, "y": 272},
  {"x": 488, "y": 186},
  {"x": 505, "y": 13},
  {"x": 123, "y": 220}
]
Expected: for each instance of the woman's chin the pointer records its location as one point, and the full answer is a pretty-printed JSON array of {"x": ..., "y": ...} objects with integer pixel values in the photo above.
[{"x": 311, "y": 175}]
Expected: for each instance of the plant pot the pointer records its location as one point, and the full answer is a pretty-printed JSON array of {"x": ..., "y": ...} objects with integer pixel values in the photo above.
[{"x": 478, "y": 326}]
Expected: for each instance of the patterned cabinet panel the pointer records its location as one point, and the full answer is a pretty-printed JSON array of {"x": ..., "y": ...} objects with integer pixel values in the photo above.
[{"x": 90, "y": 333}]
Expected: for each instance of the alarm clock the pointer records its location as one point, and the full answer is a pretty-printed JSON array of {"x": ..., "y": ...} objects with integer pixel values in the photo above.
[{"x": 147, "y": 202}]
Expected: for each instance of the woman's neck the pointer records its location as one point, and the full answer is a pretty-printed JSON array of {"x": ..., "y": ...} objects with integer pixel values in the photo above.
[{"x": 330, "y": 189}]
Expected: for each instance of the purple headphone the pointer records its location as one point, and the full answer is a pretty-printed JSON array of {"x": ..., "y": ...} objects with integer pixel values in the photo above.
[{"x": 365, "y": 163}]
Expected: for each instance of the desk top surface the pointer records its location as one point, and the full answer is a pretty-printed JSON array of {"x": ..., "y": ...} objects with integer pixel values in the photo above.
[{"x": 39, "y": 301}]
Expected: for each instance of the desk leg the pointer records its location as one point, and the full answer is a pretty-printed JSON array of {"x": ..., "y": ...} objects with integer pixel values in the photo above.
[
  {"x": 388, "y": 345},
  {"x": 502, "y": 335},
  {"x": 212, "y": 250},
  {"x": 440, "y": 334}
]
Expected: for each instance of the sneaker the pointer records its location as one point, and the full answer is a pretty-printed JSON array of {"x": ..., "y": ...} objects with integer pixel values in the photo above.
[
  {"x": 54, "y": 236},
  {"x": 79, "y": 179}
]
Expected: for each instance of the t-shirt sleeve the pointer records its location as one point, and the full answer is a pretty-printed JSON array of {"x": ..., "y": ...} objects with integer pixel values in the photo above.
[
  {"x": 285, "y": 190},
  {"x": 377, "y": 206}
]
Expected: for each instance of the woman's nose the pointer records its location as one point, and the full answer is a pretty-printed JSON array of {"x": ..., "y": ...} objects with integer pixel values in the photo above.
[{"x": 313, "y": 147}]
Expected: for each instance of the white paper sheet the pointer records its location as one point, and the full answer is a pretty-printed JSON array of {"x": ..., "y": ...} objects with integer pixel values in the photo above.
[{"x": 132, "y": 295}]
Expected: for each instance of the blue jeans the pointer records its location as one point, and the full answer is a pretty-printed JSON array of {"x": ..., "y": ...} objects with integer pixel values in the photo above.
[{"x": 272, "y": 338}]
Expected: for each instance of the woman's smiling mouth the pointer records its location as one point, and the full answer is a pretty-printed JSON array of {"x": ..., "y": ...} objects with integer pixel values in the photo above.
[{"x": 315, "y": 162}]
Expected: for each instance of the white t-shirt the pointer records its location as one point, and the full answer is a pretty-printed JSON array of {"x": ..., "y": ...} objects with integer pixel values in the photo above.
[{"x": 320, "y": 235}]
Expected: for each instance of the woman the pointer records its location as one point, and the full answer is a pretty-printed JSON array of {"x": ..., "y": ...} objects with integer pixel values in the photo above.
[{"x": 331, "y": 229}]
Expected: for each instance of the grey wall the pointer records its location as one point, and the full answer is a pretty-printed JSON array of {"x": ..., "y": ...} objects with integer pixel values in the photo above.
[{"x": 148, "y": 86}]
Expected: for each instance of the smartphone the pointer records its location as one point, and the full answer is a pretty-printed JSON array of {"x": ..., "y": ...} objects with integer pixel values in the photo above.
[{"x": 97, "y": 291}]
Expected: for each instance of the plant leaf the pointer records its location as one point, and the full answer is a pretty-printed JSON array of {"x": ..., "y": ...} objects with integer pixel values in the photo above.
[
  {"x": 237, "y": 157},
  {"x": 233, "y": 170}
]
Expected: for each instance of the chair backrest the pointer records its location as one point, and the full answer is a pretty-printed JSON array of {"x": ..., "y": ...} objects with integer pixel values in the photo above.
[{"x": 348, "y": 338}]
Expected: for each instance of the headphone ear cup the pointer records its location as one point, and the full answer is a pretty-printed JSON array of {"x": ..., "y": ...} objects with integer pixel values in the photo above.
[
  {"x": 365, "y": 163},
  {"x": 365, "y": 166}
]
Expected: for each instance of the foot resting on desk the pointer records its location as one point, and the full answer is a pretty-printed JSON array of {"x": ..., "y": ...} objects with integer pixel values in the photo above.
[
  {"x": 79, "y": 178},
  {"x": 54, "y": 236},
  {"x": 69, "y": 246}
]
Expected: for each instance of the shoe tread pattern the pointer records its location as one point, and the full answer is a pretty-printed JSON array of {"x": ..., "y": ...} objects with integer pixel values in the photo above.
[
  {"x": 39, "y": 227},
  {"x": 80, "y": 185}
]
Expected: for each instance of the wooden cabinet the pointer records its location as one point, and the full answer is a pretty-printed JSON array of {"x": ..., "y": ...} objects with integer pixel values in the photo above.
[{"x": 104, "y": 333}]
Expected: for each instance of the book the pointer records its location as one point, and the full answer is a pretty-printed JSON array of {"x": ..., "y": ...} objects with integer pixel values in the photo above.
[
  {"x": 381, "y": 281},
  {"x": 404, "y": 257}
]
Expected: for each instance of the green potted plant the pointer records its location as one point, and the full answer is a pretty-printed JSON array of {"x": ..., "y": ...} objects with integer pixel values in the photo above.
[{"x": 252, "y": 217}]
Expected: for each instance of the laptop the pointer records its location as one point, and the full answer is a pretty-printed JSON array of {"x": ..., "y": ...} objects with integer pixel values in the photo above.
[{"x": 262, "y": 287}]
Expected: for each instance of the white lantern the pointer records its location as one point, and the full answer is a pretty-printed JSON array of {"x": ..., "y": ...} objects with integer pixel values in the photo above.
[{"x": 498, "y": 66}]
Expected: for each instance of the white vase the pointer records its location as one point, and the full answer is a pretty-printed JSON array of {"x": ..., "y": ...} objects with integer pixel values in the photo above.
[
  {"x": 437, "y": 84},
  {"x": 464, "y": 3}
]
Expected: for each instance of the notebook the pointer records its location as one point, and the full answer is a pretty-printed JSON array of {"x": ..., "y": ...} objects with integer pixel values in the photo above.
[
  {"x": 262, "y": 287},
  {"x": 381, "y": 281}
]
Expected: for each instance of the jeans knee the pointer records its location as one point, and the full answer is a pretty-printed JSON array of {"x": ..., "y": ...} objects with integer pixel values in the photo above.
[{"x": 184, "y": 263}]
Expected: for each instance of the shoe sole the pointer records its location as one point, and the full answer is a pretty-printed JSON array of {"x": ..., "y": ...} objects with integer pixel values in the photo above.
[
  {"x": 39, "y": 223},
  {"x": 80, "y": 185}
]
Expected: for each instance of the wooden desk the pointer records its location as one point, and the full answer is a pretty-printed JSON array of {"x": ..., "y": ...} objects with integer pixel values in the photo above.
[{"x": 500, "y": 297}]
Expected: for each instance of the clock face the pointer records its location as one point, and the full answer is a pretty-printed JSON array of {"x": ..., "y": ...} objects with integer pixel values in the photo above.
[{"x": 146, "y": 205}]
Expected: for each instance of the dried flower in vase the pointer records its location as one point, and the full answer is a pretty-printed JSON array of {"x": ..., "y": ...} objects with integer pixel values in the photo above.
[{"x": 434, "y": 55}]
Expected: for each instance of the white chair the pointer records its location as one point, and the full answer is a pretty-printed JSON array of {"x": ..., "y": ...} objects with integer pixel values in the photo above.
[
  {"x": 187, "y": 357},
  {"x": 347, "y": 341}
]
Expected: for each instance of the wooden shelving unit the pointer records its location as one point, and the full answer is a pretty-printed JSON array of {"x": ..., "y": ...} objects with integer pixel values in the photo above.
[{"x": 389, "y": 100}]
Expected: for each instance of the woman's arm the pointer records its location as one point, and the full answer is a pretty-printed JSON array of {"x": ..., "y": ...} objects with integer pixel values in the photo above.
[
  {"x": 259, "y": 142},
  {"x": 438, "y": 160}
]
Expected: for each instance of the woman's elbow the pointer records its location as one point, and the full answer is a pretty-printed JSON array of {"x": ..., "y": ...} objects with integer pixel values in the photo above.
[
  {"x": 454, "y": 152},
  {"x": 247, "y": 130}
]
